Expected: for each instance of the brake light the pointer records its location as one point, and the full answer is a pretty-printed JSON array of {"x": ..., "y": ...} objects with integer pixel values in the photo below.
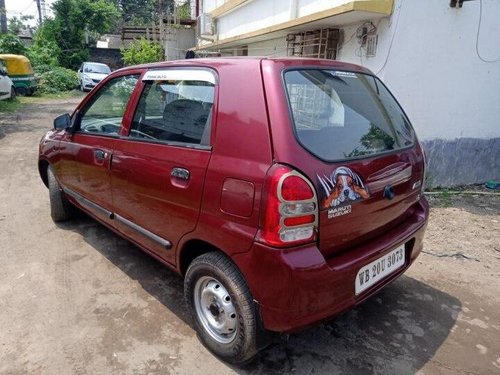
[{"x": 290, "y": 209}]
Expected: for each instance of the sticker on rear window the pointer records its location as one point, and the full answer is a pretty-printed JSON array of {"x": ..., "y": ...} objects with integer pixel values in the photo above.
[
  {"x": 344, "y": 74},
  {"x": 341, "y": 188}
]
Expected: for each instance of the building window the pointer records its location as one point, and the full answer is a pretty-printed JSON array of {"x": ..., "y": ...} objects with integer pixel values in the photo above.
[{"x": 321, "y": 44}]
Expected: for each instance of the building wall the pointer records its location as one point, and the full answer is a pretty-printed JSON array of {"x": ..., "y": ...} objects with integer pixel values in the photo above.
[
  {"x": 427, "y": 56},
  {"x": 440, "y": 62},
  {"x": 109, "y": 56},
  {"x": 177, "y": 42},
  {"x": 258, "y": 14}
]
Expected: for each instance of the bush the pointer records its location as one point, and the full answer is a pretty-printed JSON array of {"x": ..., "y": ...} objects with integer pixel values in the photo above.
[
  {"x": 53, "y": 80},
  {"x": 11, "y": 44},
  {"x": 43, "y": 54},
  {"x": 142, "y": 51}
]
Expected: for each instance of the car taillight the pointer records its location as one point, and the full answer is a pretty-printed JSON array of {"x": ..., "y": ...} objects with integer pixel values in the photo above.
[{"x": 290, "y": 209}]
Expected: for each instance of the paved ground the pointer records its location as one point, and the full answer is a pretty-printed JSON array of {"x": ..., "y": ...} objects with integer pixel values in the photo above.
[{"x": 77, "y": 299}]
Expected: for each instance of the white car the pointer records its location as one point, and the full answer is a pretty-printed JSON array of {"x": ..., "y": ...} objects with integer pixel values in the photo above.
[
  {"x": 7, "y": 90},
  {"x": 91, "y": 73}
]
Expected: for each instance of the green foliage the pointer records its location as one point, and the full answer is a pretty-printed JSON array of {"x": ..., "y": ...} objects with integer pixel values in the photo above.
[
  {"x": 142, "y": 51},
  {"x": 56, "y": 79},
  {"x": 9, "y": 106},
  {"x": 44, "y": 49},
  {"x": 98, "y": 16},
  {"x": 45, "y": 53},
  {"x": 16, "y": 25},
  {"x": 143, "y": 12},
  {"x": 10, "y": 43},
  {"x": 63, "y": 40},
  {"x": 184, "y": 11}
]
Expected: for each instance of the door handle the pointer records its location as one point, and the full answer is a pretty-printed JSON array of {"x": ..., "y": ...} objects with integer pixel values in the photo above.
[
  {"x": 180, "y": 173},
  {"x": 100, "y": 155}
]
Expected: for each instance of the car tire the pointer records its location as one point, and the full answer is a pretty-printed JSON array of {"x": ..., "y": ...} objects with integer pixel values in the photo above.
[
  {"x": 12, "y": 93},
  {"x": 60, "y": 208},
  {"x": 222, "y": 307},
  {"x": 21, "y": 91}
]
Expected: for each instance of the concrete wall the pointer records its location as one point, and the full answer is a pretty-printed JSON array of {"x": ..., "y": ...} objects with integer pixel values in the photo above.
[
  {"x": 177, "y": 42},
  {"x": 427, "y": 56},
  {"x": 109, "y": 56},
  {"x": 258, "y": 14},
  {"x": 440, "y": 62}
]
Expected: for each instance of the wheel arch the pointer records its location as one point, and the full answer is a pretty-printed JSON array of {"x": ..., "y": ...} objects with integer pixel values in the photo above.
[
  {"x": 43, "y": 166},
  {"x": 193, "y": 249}
]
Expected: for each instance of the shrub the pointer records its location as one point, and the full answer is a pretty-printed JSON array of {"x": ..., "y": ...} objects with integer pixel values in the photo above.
[
  {"x": 142, "y": 51},
  {"x": 56, "y": 79},
  {"x": 11, "y": 44},
  {"x": 43, "y": 54}
]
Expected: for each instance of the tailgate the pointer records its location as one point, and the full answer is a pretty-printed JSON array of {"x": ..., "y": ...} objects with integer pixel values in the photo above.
[
  {"x": 357, "y": 146},
  {"x": 357, "y": 206}
]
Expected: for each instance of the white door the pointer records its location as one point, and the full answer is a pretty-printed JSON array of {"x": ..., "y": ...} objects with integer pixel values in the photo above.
[{"x": 5, "y": 82}]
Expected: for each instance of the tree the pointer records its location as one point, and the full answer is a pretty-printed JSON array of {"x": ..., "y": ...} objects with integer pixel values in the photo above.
[
  {"x": 11, "y": 44},
  {"x": 16, "y": 25},
  {"x": 75, "y": 21},
  {"x": 143, "y": 12},
  {"x": 142, "y": 51},
  {"x": 45, "y": 50}
]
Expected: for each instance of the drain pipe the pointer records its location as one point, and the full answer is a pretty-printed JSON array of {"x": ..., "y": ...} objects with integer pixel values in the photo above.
[{"x": 294, "y": 9}]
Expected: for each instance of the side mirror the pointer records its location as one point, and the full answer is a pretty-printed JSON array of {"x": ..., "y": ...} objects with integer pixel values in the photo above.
[{"x": 62, "y": 122}]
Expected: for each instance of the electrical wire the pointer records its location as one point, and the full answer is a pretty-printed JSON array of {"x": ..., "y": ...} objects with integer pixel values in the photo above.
[
  {"x": 392, "y": 39},
  {"x": 477, "y": 36},
  {"x": 22, "y": 11}
]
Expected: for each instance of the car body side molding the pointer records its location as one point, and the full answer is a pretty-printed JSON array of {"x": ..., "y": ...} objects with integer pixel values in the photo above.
[{"x": 102, "y": 211}]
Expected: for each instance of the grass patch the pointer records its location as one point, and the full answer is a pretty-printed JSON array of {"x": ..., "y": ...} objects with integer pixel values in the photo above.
[
  {"x": 9, "y": 106},
  {"x": 59, "y": 95},
  {"x": 443, "y": 196},
  {"x": 446, "y": 198}
]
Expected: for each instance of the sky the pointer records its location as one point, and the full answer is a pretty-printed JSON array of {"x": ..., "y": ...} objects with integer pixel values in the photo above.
[{"x": 25, "y": 7}]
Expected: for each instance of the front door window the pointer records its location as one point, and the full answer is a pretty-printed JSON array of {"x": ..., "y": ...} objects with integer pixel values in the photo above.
[{"x": 105, "y": 112}]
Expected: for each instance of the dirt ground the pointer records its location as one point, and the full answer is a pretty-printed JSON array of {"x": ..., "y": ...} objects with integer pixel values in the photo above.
[{"x": 77, "y": 299}]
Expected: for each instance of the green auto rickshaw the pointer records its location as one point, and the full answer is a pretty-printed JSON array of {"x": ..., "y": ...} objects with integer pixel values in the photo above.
[{"x": 21, "y": 73}]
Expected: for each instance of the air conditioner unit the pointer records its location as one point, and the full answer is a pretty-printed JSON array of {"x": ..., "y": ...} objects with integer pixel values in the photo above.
[{"x": 205, "y": 27}]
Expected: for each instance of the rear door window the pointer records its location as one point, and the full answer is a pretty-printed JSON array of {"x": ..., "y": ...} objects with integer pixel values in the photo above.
[
  {"x": 175, "y": 106},
  {"x": 340, "y": 115}
]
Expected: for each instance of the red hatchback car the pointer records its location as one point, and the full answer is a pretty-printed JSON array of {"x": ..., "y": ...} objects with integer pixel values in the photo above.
[{"x": 285, "y": 191}]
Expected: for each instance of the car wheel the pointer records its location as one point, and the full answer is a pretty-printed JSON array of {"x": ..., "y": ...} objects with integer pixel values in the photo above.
[
  {"x": 21, "y": 91},
  {"x": 60, "y": 208},
  {"x": 82, "y": 88},
  {"x": 222, "y": 307},
  {"x": 12, "y": 93}
]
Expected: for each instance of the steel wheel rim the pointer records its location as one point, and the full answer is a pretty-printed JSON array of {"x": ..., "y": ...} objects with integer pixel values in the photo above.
[{"x": 215, "y": 309}]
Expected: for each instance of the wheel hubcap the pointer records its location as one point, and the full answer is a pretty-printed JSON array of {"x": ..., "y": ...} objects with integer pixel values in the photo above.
[{"x": 215, "y": 309}]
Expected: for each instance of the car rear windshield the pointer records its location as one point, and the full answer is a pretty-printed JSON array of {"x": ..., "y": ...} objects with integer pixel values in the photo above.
[
  {"x": 341, "y": 115},
  {"x": 97, "y": 68}
]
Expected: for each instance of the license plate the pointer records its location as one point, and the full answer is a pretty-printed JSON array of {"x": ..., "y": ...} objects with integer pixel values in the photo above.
[{"x": 380, "y": 268}]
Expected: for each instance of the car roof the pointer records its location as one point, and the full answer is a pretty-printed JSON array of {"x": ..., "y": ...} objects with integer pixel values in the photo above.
[
  {"x": 220, "y": 61},
  {"x": 95, "y": 63}
]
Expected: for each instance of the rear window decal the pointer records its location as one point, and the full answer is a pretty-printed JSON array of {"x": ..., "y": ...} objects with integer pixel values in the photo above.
[
  {"x": 339, "y": 73},
  {"x": 341, "y": 188}
]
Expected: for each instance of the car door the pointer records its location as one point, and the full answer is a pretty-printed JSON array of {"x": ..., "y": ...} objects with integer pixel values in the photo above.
[
  {"x": 158, "y": 170},
  {"x": 5, "y": 82},
  {"x": 88, "y": 150}
]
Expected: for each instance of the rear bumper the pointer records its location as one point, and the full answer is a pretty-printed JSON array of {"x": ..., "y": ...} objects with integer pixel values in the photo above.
[{"x": 296, "y": 288}]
